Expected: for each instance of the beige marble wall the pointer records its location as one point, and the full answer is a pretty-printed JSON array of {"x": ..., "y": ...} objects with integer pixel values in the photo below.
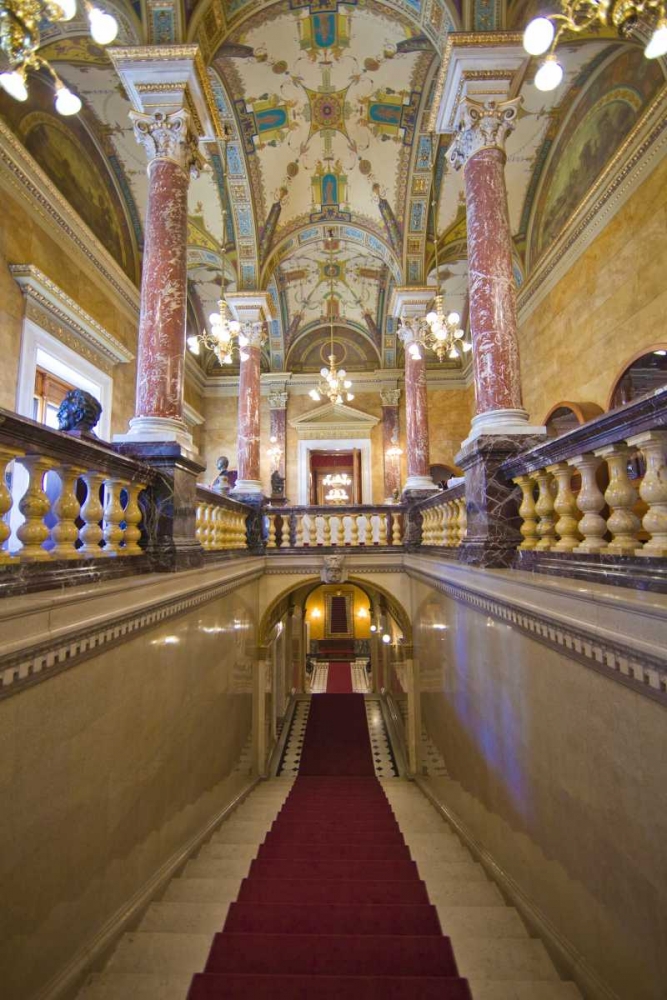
[
  {"x": 611, "y": 304},
  {"x": 23, "y": 241},
  {"x": 450, "y": 413},
  {"x": 555, "y": 770},
  {"x": 107, "y": 770}
]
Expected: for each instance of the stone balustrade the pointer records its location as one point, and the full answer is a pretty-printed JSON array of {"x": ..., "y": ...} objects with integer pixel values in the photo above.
[
  {"x": 314, "y": 527},
  {"x": 66, "y": 497},
  {"x": 600, "y": 490},
  {"x": 444, "y": 518},
  {"x": 220, "y": 522}
]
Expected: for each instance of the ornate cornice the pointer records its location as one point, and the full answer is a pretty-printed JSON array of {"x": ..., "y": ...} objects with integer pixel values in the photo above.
[
  {"x": 52, "y": 308},
  {"x": 482, "y": 125},
  {"x": 20, "y": 172}
]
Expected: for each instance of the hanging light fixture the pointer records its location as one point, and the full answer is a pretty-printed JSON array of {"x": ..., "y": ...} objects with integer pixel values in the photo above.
[
  {"x": 337, "y": 479},
  {"x": 439, "y": 331},
  {"x": 225, "y": 333},
  {"x": 335, "y": 384},
  {"x": 645, "y": 17},
  {"x": 20, "y": 40}
]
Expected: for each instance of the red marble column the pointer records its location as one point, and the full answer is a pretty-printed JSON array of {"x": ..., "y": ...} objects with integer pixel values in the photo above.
[
  {"x": 248, "y": 480},
  {"x": 173, "y": 156},
  {"x": 391, "y": 441},
  {"x": 416, "y": 417},
  {"x": 480, "y": 148}
]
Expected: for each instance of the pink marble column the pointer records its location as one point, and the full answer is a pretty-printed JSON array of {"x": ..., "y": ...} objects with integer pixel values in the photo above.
[
  {"x": 278, "y": 426},
  {"x": 391, "y": 441},
  {"x": 416, "y": 417},
  {"x": 248, "y": 480},
  {"x": 480, "y": 148},
  {"x": 172, "y": 158}
]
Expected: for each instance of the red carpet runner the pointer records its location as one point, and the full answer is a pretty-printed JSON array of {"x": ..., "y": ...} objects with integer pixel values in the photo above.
[
  {"x": 333, "y": 908},
  {"x": 339, "y": 678}
]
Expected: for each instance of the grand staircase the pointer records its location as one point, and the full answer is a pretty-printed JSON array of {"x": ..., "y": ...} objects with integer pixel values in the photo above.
[{"x": 333, "y": 885}]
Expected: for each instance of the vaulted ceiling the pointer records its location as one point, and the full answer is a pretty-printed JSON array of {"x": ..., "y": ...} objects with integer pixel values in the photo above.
[{"x": 328, "y": 105}]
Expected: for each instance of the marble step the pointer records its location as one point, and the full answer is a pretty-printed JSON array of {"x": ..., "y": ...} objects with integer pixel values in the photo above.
[
  {"x": 480, "y": 921},
  {"x": 465, "y": 894},
  {"x": 185, "y": 917},
  {"x": 135, "y": 986},
  {"x": 155, "y": 951},
  {"x": 512, "y": 990},
  {"x": 439, "y": 874},
  {"x": 203, "y": 890},
  {"x": 215, "y": 867},
  {"x": 503, "y": 958}
]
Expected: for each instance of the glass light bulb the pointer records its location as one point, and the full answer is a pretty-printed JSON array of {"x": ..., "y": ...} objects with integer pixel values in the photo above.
[
  {"x": 453, "y": 354},
  {"x": 324, "y": 372},
  {"x": 431, "y": 318},
  {"x": 466, "y": 346},
  {"x": 342, "y": 373},
  {"x": 350, "y": 396},
  {"x": 373, "y": 628},
  {"x": 235, "y": 326},
  {"x": 14, "y": 84},
  {"x": 549, "y": 75},
  {"x": 458, "y": 334},
  {"x": 538, "y": 36},
  {"x": 68, "y": 8},
  {"x": 215, "y": 319},
  {"x": 67, "y": 103},
  {"x": 243, "y": 340},
  {"x": 193, "y": 344},
  {"x": 103, "y": 27},
  {"x": 224, "y": 335},
  {"x": 314, "y": 394},
  {"x": 440, "y": 334},
  {"x": 347, "y": 384},
  {"x": 657, "y": 45},
  {"x": 386, "y": 638},
  {"x": 454, "y": 319},
  {"x": 227, "y": 360}
]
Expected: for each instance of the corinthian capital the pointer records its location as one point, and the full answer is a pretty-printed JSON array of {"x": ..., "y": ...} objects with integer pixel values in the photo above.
[
  {"x": 255, "y": 334},
  {"x": 168, "y": 137},
  {"x": 407, "y": 332},
  {"x": 390, "y": 397},
  {"x": 278, "y": 400},
  {"x": 482, "y": 125}
]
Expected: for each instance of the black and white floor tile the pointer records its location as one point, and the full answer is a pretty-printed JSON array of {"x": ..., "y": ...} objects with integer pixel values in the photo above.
[
  {"x": 383, "y": 757},
  {"x": 289, "y": 762}
]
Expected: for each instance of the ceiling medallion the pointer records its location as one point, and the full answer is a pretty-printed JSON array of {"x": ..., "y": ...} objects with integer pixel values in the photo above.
[
  {"x": 21, "y": 24},
  {"x": 334, "y": 384},
  {"x": 543, "y": 33},
  {"x": 328, "y": 110}
]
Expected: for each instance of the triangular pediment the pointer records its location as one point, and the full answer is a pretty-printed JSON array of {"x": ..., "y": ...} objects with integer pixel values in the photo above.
[{"x": 336, "y": 419}]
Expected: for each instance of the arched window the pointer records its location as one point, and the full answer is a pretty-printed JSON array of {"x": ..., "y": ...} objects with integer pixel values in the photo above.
[
  {"x": 644, "y": 373},
  {"x": 564, "y": 417}
]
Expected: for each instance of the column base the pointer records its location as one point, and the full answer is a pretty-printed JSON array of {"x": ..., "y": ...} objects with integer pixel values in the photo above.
[
  {"x": 249, "y": 487},
  {"x": 419, "y": 484},
  {"x": 155, "y": 429},
  {"x": 503, "y": 423}
]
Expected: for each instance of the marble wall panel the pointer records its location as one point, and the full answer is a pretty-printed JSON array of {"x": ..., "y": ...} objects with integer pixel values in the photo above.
[
  {"x": 553, "y": 769},
  {"x": 609, "y": 305},
  {"x": 107, "y": 770}
]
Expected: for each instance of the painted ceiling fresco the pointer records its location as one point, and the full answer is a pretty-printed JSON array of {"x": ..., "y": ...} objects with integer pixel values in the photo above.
[{"x": 327, "y": 104}]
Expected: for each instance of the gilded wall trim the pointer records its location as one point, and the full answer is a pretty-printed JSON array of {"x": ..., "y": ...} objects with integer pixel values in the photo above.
[{"x": 20, "y": 173}]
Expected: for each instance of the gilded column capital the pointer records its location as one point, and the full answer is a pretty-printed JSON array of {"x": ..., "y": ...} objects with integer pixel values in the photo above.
[
  {"x": 390, "y": 397},
  {"x": 254, "y": 333},
  {"x": 168, "y": 137},
  {"x": 407, "y": 333},
  {"x": 278, "y": 400},
  {"x": 482, "y": 125}
]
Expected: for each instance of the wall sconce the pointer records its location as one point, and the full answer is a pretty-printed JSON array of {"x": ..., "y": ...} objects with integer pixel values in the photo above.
[
  {"x": 374, "y": 628},
  {"x": 315, "y": 613},
  {"x": 362, "y": 613}
]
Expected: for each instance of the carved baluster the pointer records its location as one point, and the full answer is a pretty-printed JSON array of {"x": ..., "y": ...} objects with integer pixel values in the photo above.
[
  {"x": 285, "y": 540},
  {"x": 441, "y": 521},
  {"x": 565, "y": 506},
  {"x": 653, "y": 491},
  {"x": 132, "y": 518},
  {"x": 242, "y": 533},
  {"x": 34, "y": 505},
  {"x": 112, "y": 516},
  {"x": 299, "y": 540},
  {"x": 226, "y": 532},
  {"x": 204, "y": 526},
  {"x": 362, "y": 529},
  {"x": 326, "y": 530},
  {"x": 199, "y": 524},
  {"x": 448, "y": 526},
  {"x": 621, "y": 496},
  {"x": 527, "y": 511},
  {"x": 545, "y": 509},
  {"x": 66, "y": 509},
  {"x": 462, "y": 519},
  {"x": 6, "y": 456},
  {"x": 590, "y": 502},
  {"x": 426, "y": 527},
  {"x": 271, "y": 537},
  {"x": 336, "y": 529},
  {"x": 453, "y": 517},
  {"x": 396, "y": 534},
  {"x": 354, "y": 533},
  {"x": 382, "y": 529}
]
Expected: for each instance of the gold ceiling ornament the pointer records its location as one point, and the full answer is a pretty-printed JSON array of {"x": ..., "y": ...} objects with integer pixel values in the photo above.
[
  {"x": 225, "y": 333},
  {"x": 439, "y": 331},
  {"x": 646, "y": 18},
  {"x": 20, "y": 40},
  {"x": 334, "y": 383}
]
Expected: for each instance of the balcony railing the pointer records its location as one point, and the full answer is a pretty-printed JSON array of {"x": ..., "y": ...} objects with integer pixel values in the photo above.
[
  {"x": 443, "y": 518},
  {"x": 220, "y": 522},
  {"x": 323, "y": 527}
]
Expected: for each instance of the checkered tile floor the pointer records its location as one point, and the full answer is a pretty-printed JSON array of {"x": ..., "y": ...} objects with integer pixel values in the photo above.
[{"x": 383, "y": 757}]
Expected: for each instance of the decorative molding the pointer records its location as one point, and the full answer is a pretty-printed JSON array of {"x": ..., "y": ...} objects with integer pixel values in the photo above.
[
  {"x": 334, "y": 420},
  {"x": 48, "y": 306},
  {"x": 20, "y": 172},
  {"x": 638, "y": 669},
  {"x": 642, "y": 151},
  {"x": 33, "y": 663},
  {"x": 192, "y": 417},
  {"x": 437, "y": 379}
]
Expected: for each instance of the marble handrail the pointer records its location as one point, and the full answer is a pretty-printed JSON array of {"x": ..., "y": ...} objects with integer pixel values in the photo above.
[
  {"x": 220, "y": 521},
  {"x": 609, "y": 514},
  {"x": 321, "y": 526},
  {"x": 66, "y": 496},
  {"x": 444, "y": 518}
]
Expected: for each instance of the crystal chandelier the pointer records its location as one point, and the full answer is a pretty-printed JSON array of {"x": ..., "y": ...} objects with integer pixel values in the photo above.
[
  {"x": 439, "y": 331},
  {"x": 543, "y": 33},
  {"x": 337, "y": 495},
  {"x": 225, "y": 332},
  {"x": 337, "y": 479},
  {"x": 335, "y": 384},
  {"x": 20, "y": 39}
]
